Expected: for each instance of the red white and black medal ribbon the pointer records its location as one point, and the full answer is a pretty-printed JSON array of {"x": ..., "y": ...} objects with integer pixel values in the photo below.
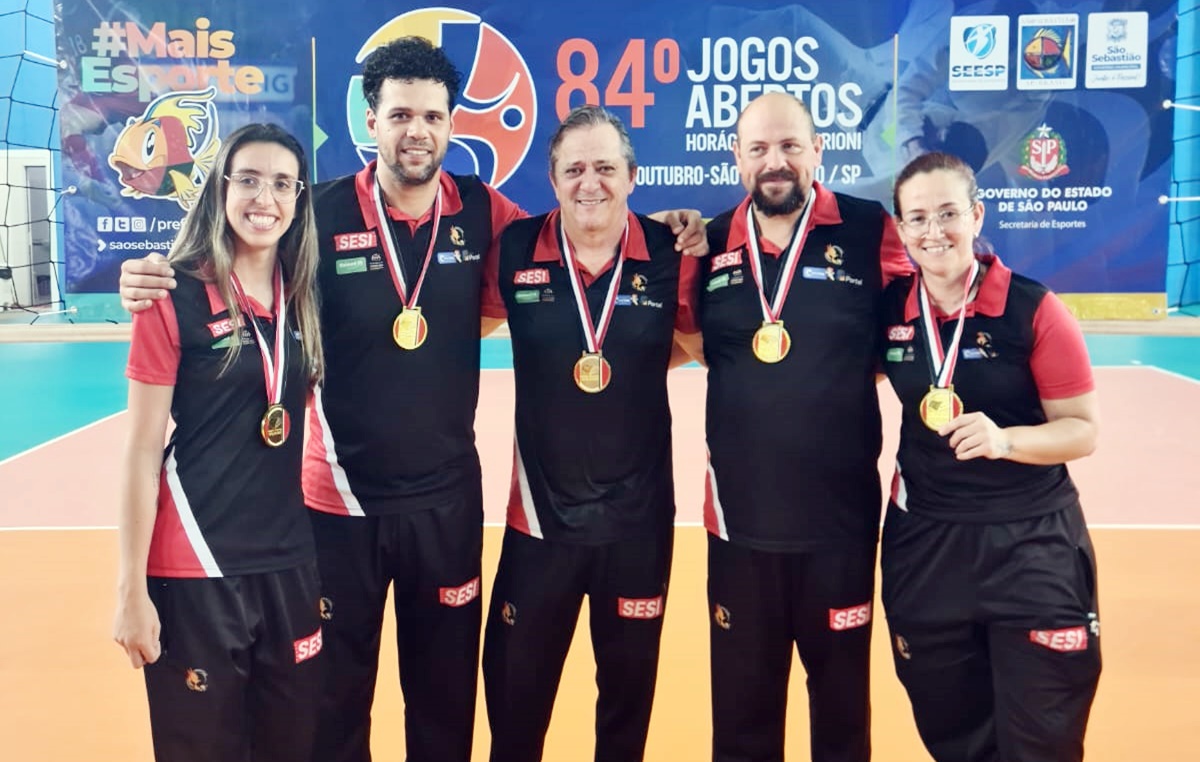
[
  {"x": 592, "y": 371},
  {"x": 410, "y": 328},
  {"x": 940, "y": 405},
  {"x": 771, "y": 341},
  {"x": 276, "y": 424}
]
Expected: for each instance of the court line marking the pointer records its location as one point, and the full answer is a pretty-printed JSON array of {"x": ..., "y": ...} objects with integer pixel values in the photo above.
[
  {"x": 1173, "y": 374},
  {"x": 1140, "y": 366},
  {"x": 59, "y": 438}
]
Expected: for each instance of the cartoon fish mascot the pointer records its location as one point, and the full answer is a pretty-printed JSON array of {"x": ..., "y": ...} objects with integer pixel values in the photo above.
[{"x": 168, "y": 151}]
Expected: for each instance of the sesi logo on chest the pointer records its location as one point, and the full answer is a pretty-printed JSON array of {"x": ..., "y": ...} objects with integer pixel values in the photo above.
[
  {"x": 355, "y": 241},
  {"x": 537, "y": 276}
]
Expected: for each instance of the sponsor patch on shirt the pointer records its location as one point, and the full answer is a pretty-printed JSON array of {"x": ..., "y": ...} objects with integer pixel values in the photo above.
[
  {"x": 459, "y": 596},
  {"x": 1065, "y": 640},
  {"x": 457, "y": 256},
  {"x": 306, "y": 648},
  {"x": 538, "y": 276},
  {"x": 973, "y": 353},
  {"x": 355, "y": 241},
  {"x": 728, "y": 259},
  {"x": 817, "y": 273},
  {"x": 850, "y": 618},
  {"x": 526, "y": 296},
  {"x": 624, "y": 300},
  {"x": 640, "y": 608},
  {"x": 895, "y": 354},
  {"x": 901, "y": 333},
  {"x": 721, "y": 281},
  {"x": 351, "y": 265}
]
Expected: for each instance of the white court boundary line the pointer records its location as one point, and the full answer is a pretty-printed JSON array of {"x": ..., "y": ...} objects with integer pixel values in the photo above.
[
  {"x": 1133, "y": 365},
  {"x": 60, "y": 438}
]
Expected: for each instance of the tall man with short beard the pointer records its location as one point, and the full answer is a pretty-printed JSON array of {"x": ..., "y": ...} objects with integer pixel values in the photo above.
[{"x": 788, "y": 300}]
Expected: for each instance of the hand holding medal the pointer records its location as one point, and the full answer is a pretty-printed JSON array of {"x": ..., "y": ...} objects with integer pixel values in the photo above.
[{"x": 974, "y": 435}]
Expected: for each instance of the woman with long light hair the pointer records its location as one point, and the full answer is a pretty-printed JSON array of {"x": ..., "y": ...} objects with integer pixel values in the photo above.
[{"x": 218, "y": 596}]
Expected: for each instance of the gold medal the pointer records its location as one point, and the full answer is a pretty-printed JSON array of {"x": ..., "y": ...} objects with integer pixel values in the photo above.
[
  {"x": 592, "y": 372},
  {"x": 771, "y": 342},
  {"x": 410, "y": 328},
  {"x": 276, "y": 425},
  {"x": 939, "y": 406}
]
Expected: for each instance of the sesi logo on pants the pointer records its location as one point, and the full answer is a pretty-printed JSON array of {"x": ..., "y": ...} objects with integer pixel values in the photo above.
[
  {"x": 640, "y": 608},
  {"x": 306, "y": 648},
  {"x": 459, "y": 596},
  {"x": 848, "y": 619},
  {"x": 1064, "y": 641}
]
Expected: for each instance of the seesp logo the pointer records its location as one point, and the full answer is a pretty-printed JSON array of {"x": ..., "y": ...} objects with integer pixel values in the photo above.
[
  {"x": 980, "y": 40},
  {"x": 979, "y": 53},
  {"x": 496, "y": 112}
]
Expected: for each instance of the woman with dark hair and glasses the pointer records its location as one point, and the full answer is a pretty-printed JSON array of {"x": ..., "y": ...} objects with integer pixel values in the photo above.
[
  {"x": 218, "y": 592},
  {"x": 988, "y": 571}
]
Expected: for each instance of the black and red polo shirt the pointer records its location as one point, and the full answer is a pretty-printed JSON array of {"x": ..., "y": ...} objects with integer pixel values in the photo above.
[
  {"x": 1020, "y": 345},
  {"x": 793, "y": 446},
  {"x": 593, "y": 468},
  {"x": 393, "y": 430},
  {"x": 227, "y": 503}
]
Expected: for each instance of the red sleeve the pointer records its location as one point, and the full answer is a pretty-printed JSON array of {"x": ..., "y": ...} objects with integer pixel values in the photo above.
[
  {"x": 893, "y": 259},
  {"x": 689, "y": 276},
  {"x": 1059, "y": 361},
  {"x": 154, "y": 345},
  {"x": 503, "y": 212}
]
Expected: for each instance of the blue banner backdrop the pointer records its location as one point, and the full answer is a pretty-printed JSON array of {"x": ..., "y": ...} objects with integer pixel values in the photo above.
[
  {"x": 1057, "y": 105},
  {"x": 148, "y": 91}
]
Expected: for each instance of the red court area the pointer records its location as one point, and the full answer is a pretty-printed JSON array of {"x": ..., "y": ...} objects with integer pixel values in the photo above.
[
  {"x": 1141, "y": 475},
  {"x": 67, "y": 692}
]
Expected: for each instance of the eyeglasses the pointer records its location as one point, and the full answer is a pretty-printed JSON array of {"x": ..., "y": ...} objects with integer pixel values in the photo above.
[
  {"x": 284, "y": 189},
  {"x": 948, "y": 220}
]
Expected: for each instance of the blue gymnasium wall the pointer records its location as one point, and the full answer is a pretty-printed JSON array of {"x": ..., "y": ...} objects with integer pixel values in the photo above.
[{"x": 29, "y": 119}]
